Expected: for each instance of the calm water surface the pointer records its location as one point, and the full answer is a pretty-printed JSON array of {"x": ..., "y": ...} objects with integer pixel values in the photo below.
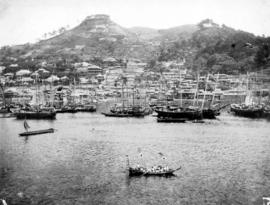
[{"x": 224, "y": 161}]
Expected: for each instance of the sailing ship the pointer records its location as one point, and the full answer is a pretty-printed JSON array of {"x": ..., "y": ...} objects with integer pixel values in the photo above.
[
  {"x": 35, "y": 113},
  {"x": 251, "y": 111},
  {"x": 171, "y": 113},
  {"x": 250, "y": 108},
  {"x": 4, "y": 110},
  {"x": 35, "y": 132},
  {"x": 194, "y": 112},
  {"x": 86, "y": 108},
  {"x": 124, "y": 110}
]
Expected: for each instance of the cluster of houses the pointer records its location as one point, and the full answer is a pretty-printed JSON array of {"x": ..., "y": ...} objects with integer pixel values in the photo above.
[{"x": 175, "y": 81}]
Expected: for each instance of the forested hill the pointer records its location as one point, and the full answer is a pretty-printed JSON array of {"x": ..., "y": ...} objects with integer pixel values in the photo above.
[
  {"x": 206, "y": 46},
  {"x": 218, "y": 48}
]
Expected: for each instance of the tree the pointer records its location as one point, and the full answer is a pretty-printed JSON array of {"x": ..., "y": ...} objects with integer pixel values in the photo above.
[
  {"x": 2, "y": 88},
  {"x": 262, "y": 56}
]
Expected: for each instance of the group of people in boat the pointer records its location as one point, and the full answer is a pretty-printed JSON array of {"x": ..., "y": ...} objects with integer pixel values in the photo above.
[{"x": 153, "y": 169}]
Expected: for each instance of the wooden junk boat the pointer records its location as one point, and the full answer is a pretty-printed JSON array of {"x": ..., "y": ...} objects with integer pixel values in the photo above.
[
  {"x": 251, "y": 111},
  {"x": 34, "y": 132},
  {"x": 178, "y": 113},
  {"x": 45, "y": 113},
  {"x": 131, "y": 111}
]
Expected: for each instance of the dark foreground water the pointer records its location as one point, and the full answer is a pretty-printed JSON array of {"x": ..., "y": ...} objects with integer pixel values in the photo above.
[{"x": 225, "y": 161}]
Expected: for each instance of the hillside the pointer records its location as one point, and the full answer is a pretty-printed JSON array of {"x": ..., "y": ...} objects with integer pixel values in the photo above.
[
  {"x": 206, "y": 46},
  {"x": 218, "y": 49}
]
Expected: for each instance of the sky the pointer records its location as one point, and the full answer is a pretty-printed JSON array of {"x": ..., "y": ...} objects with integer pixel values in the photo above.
[{"x": 23, "y": 21}]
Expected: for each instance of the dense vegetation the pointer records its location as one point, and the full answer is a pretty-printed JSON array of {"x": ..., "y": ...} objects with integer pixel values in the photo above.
[{"x": 218, "y": 49}]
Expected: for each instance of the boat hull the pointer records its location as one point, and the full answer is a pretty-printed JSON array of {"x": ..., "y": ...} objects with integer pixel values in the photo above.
[
  {"x": 66, "y": 111},
  {"x": 86, "y": 110},
  {"x": 116, "y": 114},
  {"x": 37, "y": 132},
  {"x": 189, "y": 115},
  {"x": 250, "y": 113},
  {"x": 35, "y": 115},
  {"x": 210, "y": 113}
]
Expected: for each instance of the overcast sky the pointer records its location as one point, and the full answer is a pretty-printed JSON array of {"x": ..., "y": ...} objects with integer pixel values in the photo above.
[{"x": 23, "y": 21}]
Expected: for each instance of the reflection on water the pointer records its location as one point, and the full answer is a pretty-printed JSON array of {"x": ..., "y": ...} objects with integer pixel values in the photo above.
[{"x": 225, "y": 161}]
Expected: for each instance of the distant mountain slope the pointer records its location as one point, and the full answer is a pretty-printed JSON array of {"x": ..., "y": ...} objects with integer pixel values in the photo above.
[
  {"x": 145, "y": 33},
  {"x": 215, "y": 48},
  {"x": 207, "y": 46},
  {"x": 179, "y": 32},
  {"x": 96, "y": 35}
]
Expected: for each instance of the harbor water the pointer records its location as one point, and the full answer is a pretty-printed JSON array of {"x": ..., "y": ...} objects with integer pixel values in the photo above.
[{"x": 224, "y": 161}]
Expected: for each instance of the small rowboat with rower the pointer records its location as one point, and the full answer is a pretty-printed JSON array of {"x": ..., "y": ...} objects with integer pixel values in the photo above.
[
  {"x": 34, "y": 132},
  {"x": 154, "y": 171}
]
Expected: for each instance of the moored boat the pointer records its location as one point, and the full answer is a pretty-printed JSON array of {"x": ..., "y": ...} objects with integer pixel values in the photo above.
[
  {"x": 250, "y": 111},
  {"x": 35, "y": 115},
  {"x": 86, "y": 108},
  {"x": 266, "y": 112},
  {"x": 4, "y": 110},
  {"x": 66, "y": 109},
  {"x": 179, "y": 113},
  {"x": 130, "y": 111},
  {"x": 110, "y": 114}
]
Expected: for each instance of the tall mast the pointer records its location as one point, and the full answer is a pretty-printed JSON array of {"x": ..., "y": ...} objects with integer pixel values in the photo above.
[
  {"x": 37, "y": 102},
  {"x": 181, "y": 102},
  {"x": 2, "y": 88},
  {"x": 123, "y": 104},
  {"x": 205, "y": 91},
  {"x": 196, "y": 93},
  {"x": 260, "y": 87},
  {"x": 133, "y": 97},
  {"x": 213, "y": 94},
  {"x": 247, "y": 100}
]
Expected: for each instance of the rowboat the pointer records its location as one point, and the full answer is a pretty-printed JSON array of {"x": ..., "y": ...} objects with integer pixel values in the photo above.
[
  {"x": 159, "y": 171},
  {"x": 34, "y": 132},
  {"x": 154, "y": 171},
  {"x": 37, "y": 132}
]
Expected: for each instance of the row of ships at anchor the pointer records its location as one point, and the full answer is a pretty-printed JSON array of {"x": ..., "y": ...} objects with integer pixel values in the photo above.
[
  {"x": 134, "y": 102},
  {"x": 46, "y": 103}
]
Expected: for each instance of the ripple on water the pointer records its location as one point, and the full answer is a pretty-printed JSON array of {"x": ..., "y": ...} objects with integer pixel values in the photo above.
[{"x": 224, "y": 161}]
